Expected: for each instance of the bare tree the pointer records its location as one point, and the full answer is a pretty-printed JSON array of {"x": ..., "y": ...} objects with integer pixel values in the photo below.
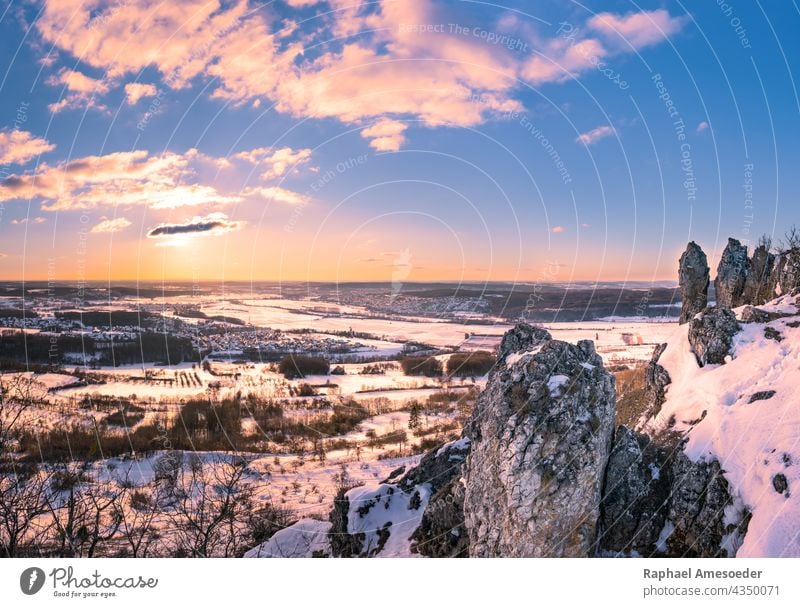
[
  {"x": 23, "y": 506},
  {"x": 18, "y": 393},
  {"x": 138, "y": 510},
  {"x": 85, "y": 513},
  {"x": 210, "y": 508}
]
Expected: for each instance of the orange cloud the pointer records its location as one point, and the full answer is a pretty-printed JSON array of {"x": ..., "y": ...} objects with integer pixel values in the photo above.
[{"x": 18, "y": 147}]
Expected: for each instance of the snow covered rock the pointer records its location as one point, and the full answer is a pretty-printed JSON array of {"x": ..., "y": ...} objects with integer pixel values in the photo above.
[
  {"x": 523, "y": 338},
  {"x": 534, "y": 474},
  {"x": 305, "y": 539},
  {"x": 732, "y": 275},
  {"x": 693, "y": 273},
  {"x": 420, "y": 513},
  {"x": 441, "y": 532},
  {"x": 786, "y": 277},
  {"x": 753, "y": 442},
  {"x": 705, "y": 520},
  {"x": 658, "y": 502},
  {"x": 711, "y": 335}
]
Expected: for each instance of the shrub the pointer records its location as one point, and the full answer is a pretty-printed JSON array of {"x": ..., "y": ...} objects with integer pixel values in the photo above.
[
  {"x": 631, "y": 401},
  {"x": 427, "y": 366},
  {"x": 298, "y": 366},
  {"x": 470, "y": 364}
]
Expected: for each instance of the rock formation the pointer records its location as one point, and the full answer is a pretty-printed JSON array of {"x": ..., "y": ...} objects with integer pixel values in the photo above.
[
  {"x": 786, "y": 274},
  {"x": 657, "y": 502},
  {"x": 419, "y": 510},
  {"x": 759, "y": 287},
  {"x": 693, "y": 273},
  {"x": 656, "y": 381},
  {"x": 732, "y": 275},
  {"x": 711, "y": 335},
  {"x": 541, "y": 434}
]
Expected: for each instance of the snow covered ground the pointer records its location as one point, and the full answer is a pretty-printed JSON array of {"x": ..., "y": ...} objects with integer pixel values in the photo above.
[{"x": 750, "y": 423}]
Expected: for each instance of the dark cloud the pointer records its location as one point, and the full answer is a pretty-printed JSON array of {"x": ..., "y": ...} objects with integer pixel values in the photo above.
[{"x": 199, "y": 225}]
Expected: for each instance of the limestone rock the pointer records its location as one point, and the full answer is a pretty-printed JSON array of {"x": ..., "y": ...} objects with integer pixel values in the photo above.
[
  {"x": 732, "y": 275},
  {"x": 658, "y": 502},
  {"x": 693, "y": 273},
  {"x": 656, "y": 381},
  {"x": 541, "y": 435},
  {"x": 757, "y": 288},
  {"x": 636, "y": 490},
  {"x": 711, "y": 335}
]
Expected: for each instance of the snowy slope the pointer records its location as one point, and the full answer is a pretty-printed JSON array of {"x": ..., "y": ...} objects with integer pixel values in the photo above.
[{"x": 756, "y": 442}]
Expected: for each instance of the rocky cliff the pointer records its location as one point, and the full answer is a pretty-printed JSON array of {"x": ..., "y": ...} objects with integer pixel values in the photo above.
[{"x": 743, "y": 280}]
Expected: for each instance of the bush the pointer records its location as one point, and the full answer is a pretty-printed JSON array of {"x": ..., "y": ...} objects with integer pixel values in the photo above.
[
  {"x": 631, "y": 400},
  {"x": 470, "y": 364},
  {"x": 427, "y": 366},
  {"x": 297, "y": 366}
]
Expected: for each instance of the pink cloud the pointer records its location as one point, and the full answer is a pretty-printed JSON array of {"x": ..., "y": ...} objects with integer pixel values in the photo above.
[
  {"x": 276, "y": 162},
  {"x": 278, "y": 194},
  {"x": 78, "y": 90},
  {"x": 595, "y": 135},
  {"x": 110, "y": 226},
  {"x": 638, "y": 29},
  {"x": 388, "y": 72},
  {"x": 386, "y": 135},
  {"x": 558, "y": 230},
  {"x": 18, "y": 147},
  {"x": 134, "y": 91},
  {"x": 163, "y": 181}
]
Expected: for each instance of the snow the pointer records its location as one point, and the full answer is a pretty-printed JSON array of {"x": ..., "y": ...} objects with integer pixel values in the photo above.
[
  {"x": 661, "y": 542},
  {"x": 556, "y": 383},
  {"x": 460, "y": 444},
  {"x": 301, "y": 540},
  {"x": 753, "y": 441},
  {"x": 386, "y": 506}
]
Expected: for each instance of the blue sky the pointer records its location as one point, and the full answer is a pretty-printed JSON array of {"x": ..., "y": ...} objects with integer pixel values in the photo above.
[{"x": 344, "y": 140}]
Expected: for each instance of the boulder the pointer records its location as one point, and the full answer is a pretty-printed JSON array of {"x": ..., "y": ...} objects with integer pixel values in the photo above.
[
  {"x": 420, "y": 511},
  {"x": 711, "y": 335}
]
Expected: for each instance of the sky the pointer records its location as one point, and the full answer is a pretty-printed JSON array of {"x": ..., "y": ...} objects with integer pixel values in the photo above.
[{"x": 410, "y": 140}]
